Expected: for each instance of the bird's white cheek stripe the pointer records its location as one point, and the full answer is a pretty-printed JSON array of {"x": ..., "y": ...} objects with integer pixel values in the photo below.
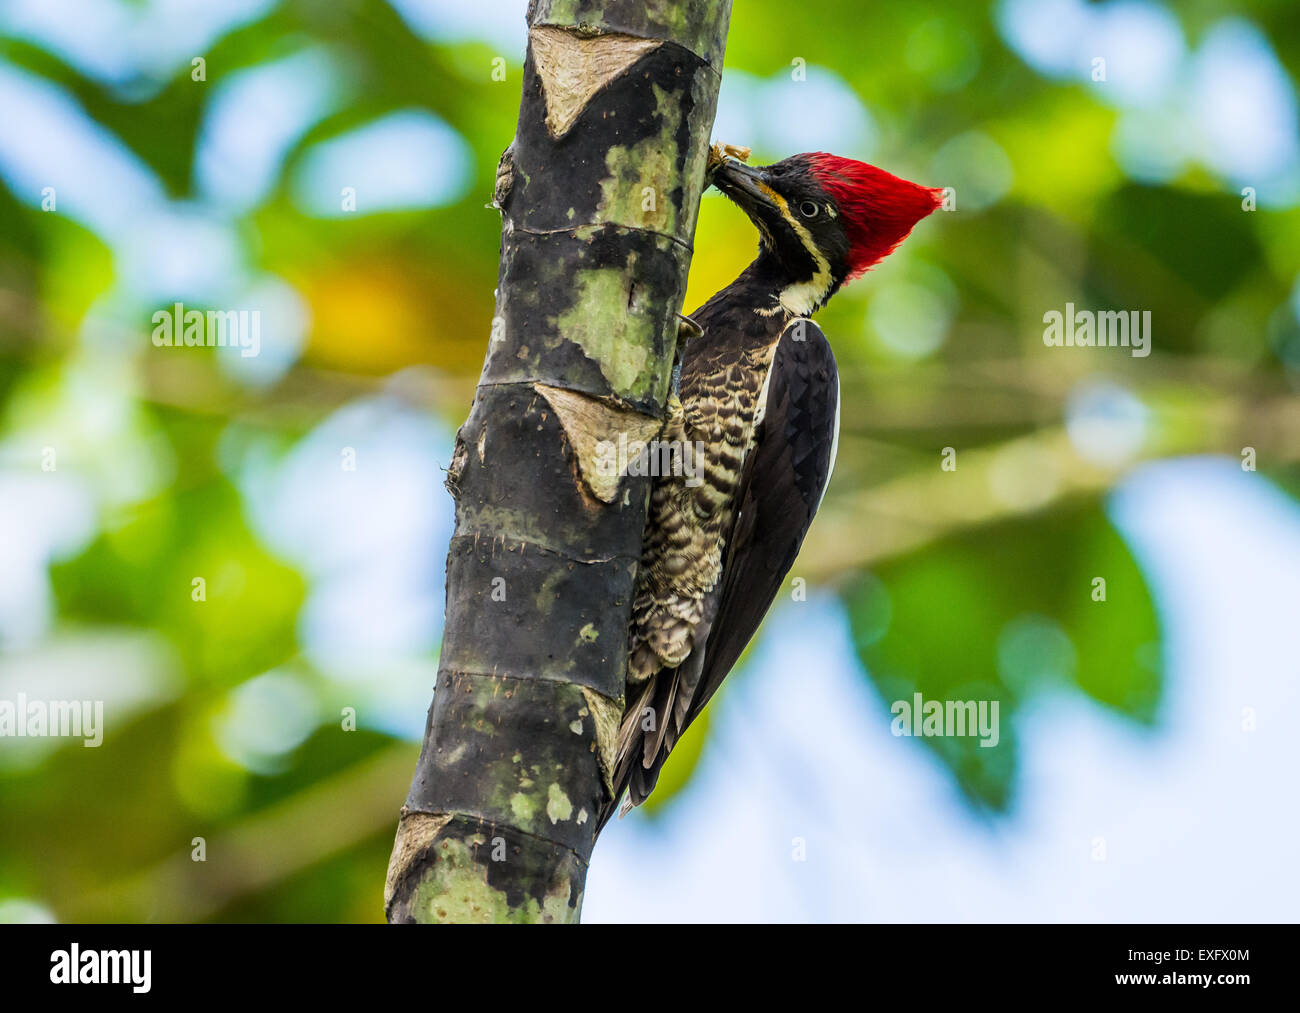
[{"x": 805, "y": 296}]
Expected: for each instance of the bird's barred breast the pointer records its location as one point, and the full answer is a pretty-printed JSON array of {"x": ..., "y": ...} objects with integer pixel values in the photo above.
[{"x": 690, "y": 514}]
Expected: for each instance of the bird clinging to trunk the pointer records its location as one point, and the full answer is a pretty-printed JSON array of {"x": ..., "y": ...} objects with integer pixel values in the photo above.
[{"x": 759, "y": 392}]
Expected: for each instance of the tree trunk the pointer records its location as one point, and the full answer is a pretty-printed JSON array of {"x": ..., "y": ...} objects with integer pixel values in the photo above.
[{"x": 599, "y": 194}]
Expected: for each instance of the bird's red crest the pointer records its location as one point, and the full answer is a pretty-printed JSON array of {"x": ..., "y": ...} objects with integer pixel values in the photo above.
[{"x": 879, "y": 209}]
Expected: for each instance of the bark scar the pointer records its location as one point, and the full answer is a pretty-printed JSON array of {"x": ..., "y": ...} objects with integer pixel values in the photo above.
[
  {"x": 415, "y": 832},
  {"x": 574, "y": 67},
  {"x": 596, "y": 431},
  {"x": 459, "y": 458},
  {"x": 606, "y": 715},
  {"x": 505, "y": 178}
]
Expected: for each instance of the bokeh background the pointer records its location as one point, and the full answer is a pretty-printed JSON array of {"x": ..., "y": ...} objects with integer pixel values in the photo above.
[{"x": 1147, "y": 763}]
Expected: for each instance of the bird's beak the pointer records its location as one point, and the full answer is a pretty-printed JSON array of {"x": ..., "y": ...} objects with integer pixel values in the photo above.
[{"x": 746, "y": 185}]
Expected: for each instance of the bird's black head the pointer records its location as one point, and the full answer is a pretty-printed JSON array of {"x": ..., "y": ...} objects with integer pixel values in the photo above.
[{"x": 824, "y": 219}]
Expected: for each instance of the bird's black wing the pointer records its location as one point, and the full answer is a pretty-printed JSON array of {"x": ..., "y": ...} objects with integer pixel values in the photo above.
[{"x": 781, "y": 487}]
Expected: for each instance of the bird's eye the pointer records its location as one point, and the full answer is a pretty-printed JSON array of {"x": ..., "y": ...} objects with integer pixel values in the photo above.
[{"x": 808, "y": 209}]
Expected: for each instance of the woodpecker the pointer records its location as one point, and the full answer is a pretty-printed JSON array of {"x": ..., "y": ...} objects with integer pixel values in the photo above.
[{"x": 758, "y": 389}]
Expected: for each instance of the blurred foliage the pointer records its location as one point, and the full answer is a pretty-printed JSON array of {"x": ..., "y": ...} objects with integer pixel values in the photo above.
[
  {"x": 940, "y": 347},
  {"x": 1006, "y": 612}
]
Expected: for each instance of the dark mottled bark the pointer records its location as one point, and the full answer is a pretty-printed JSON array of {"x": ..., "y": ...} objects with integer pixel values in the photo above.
[{"x": 599, "y": 192}]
